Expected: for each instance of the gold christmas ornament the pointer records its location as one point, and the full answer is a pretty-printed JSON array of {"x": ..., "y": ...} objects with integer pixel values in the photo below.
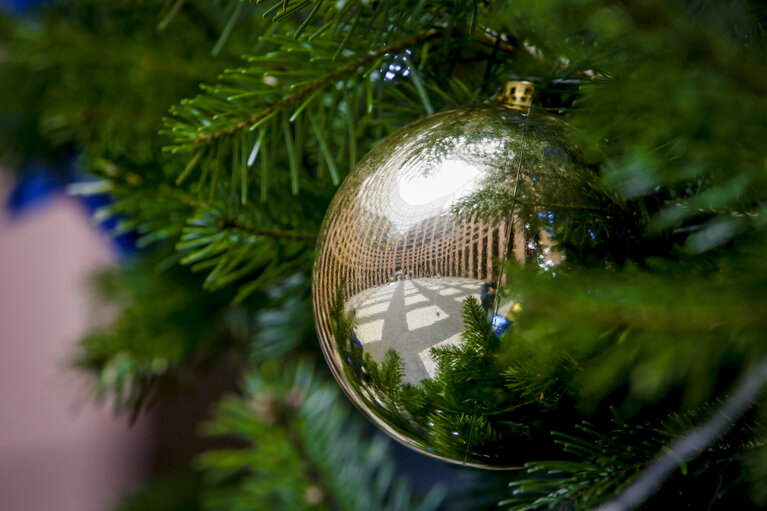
[{"x": 418, "y": 230}]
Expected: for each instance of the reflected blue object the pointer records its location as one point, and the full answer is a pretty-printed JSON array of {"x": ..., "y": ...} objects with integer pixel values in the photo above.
[
  {"x": 355, "y": 340},
  {"x": 500, "y": 324},
  {"x": 398, "y": 65},
  {"x": 551, "y": 151},
  {"x": 549, "y": 217}
]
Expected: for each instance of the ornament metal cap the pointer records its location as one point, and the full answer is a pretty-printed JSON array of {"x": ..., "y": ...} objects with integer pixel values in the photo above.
[{"x": 517, "y": 93}]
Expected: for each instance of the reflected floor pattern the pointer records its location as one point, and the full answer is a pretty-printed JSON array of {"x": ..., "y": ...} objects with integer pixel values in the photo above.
[{"x": 411, "y": 317}]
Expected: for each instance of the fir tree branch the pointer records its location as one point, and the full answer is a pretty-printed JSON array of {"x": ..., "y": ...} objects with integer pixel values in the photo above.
[
  {"x": 348, "y": 69},
  {"x": 303, "y": 449},
  {"x": 312, "y": 470},
  {"x": 700, "y": 42},
  {"x": 691, "y": 445},
  {"x": 285, "y": 234},
  {"x": 560, "y": 206}
]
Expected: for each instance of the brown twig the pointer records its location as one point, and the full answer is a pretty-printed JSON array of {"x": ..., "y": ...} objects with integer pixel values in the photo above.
[
  {"x": 285, "y": 234},
  {"x": 692, "y": 444}
]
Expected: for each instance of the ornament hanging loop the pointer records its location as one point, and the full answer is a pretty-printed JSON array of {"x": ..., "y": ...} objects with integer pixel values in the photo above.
[{"x": 517, "y": 93}]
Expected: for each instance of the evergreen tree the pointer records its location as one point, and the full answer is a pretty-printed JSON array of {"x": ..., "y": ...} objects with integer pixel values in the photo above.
[{"x": 221, "y": 130}]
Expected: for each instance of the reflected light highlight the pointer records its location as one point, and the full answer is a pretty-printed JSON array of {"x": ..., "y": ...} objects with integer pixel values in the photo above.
[{"x": 452, "y": 180}]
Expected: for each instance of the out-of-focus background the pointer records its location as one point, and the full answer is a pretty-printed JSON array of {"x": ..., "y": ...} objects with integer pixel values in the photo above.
[
  {"x": 61, "y": 447},
  {"x": 58, "y": 449}
]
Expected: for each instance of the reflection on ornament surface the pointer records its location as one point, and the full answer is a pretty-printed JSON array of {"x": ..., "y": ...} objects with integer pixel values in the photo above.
[{"x": 410, "y": 255}]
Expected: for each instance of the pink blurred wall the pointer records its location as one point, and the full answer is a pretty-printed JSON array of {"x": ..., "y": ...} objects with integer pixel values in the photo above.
[{"x": 58, "y": 450}]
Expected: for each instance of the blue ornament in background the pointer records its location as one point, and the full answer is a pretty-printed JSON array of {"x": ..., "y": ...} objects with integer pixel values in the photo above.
[
  {"x": 38, "y": 183},
  {"x": 19, "y": 6},
  {"x": 34, "y": 186}
]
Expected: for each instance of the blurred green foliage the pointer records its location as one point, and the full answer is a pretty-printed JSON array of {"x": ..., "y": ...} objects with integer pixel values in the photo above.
[{"x": 670, "y": 95}]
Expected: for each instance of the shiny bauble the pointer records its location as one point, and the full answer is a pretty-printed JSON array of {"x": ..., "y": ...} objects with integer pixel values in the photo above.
[{"x": 413, "y": 242}]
